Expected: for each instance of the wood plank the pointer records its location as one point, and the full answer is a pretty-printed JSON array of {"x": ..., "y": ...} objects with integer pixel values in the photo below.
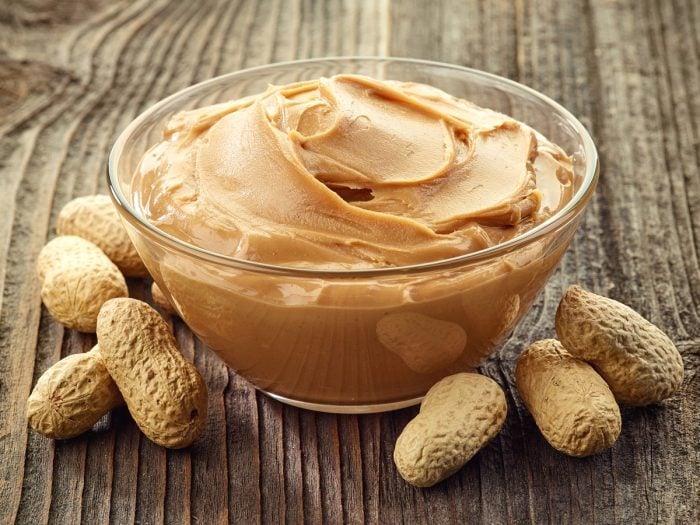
[
  {"x": 38, "y": 469},
  {"x": 293, "y": 482},
  {"x": 310, "y": 467},
  {"x": 210, "y": 475},
  {"x": 99, "y": 472},
  {"x": 244, "y": 460},
  {"x": 271, "y": 425},
  {"x": 330, "y": 484},
  {"x": 73, "y": 74}
]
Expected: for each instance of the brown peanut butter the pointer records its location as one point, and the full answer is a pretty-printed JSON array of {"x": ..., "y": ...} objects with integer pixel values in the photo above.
[
  {"x": 341, "y": 173},
  {"x": 350, "y": 172}
]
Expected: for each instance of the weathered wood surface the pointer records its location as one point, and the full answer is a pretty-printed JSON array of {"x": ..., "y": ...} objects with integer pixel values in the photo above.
[{"x": 73, "y": 73}]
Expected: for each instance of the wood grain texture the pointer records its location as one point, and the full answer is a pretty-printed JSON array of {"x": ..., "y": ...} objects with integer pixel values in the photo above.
[{"x": 74, "y": 73}]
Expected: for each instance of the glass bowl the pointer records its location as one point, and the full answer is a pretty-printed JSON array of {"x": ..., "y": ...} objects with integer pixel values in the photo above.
[{"x": 356, "y": 340}]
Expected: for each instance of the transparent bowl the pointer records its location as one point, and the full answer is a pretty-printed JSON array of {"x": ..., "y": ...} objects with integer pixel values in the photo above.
[{"x": 356, "y": 340}]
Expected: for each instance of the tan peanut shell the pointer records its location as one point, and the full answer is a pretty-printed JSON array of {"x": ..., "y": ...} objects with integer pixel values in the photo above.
[
  {"x": 95, "y": 218},
  {"x": 71, "y": 396},
  {"x": 163, "y": 391},
  {"x": 458, "y": 416},
  {"x": 77, "y": 279},
  {"x": 423, "y": 343},
  {"x": 571, "y": 404},
  {"x": 160, "y": 300},
  {"x": 637, "y": 360}
]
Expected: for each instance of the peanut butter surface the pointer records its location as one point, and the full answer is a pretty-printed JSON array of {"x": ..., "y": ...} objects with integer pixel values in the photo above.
[{"x": 349, "y": 172}]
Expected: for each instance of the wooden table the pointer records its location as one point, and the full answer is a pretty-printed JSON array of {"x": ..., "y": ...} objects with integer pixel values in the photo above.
[{"x": 73, "y": 74}]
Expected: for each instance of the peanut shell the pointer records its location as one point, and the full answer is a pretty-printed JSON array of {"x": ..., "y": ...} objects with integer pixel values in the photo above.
[
  {"x": 571, "y": 404},
  {"x": 637, "y": 360},
  {"x": 425, "y": 344},
  {"x": 458, "y": 416},
  {"x": 72, "y": 395},
  {"x": 163, "y": 391},
  {"x": 160, "y": 300},
  {"x": 77, "y": 279},
  {"x": 95, "y": 218}
]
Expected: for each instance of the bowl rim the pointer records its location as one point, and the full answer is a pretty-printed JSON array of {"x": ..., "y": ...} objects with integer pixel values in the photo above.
[{"x": 567, "y": 214}]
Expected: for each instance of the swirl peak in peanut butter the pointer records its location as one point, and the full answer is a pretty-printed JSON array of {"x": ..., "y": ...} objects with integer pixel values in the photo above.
[{"x": 349, "y": 172}]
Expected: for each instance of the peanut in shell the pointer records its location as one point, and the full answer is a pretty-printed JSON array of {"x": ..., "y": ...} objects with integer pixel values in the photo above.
[
  {"x": 639, "y": 362},
  {"x": 423, "y": 343},
  {"x": 160, "y": 300},
  {"x": 77, "y": 279},
  {"x": 164, "y": 392},
  {"x": 72, "y": 395},
  {"x": 459, "y": 415},
  {"x": 95, "y": 219},
  {"x": 571, "y": 404}
]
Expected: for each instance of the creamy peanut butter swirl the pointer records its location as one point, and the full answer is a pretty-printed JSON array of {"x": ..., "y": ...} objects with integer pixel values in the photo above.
[{"x": 349, "y": 172}]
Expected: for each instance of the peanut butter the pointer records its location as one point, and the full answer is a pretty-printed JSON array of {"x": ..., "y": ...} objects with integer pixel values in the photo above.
[{"x": 351, "y": 173}]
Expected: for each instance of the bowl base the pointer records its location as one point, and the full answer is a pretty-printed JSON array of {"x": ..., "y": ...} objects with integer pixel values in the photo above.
[{"x": 344, "y": 409}]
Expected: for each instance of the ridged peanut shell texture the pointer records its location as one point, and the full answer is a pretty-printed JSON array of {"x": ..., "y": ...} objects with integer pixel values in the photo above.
[
  {"x": 459, "y": 415},
  {"x": 71, "y": 396},
  {"x": 95, "y": 218},
  {"x": 77, "y": 279},
  {"x": 163, "y": 391},
  {"x": 571, "y": 404},
  {"x": 637, "y": 360}
]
